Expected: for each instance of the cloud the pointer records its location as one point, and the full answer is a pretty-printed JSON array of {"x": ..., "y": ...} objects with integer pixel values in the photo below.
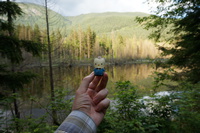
[{"x": 77, "y": 7}]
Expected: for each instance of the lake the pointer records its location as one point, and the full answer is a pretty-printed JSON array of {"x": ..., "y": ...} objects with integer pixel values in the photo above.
[{"x": 69, "y": 78}]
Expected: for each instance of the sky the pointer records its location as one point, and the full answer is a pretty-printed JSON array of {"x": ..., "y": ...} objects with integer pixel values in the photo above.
[{"x": 78, "y": 7}]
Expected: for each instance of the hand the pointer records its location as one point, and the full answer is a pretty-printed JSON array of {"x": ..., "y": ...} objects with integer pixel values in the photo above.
[{"x": 91, "y": 97}]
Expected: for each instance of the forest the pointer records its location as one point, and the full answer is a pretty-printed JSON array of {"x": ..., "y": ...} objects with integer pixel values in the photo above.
[
  {"x": 170, "y": 43},
  {"x": 84, "y": 45}
]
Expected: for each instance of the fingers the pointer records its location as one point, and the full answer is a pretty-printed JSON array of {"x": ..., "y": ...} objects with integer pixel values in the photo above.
[
  {"x": 85, "y": 83},
  {"x": 103, "y": 82},
  {"x": 100, "y": 96},
  {"x": 100, "y": 100},
  {"x": 103, "y": 105},
  {"x": 95, "y": 82},
  {"x": 91, "y": 93}
]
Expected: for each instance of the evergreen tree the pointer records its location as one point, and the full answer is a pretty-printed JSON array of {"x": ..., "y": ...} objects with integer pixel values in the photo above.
[
  {"x": 11, "y": 48},
  {"x": 80, "y": 42},
  {"x": 36, "y": 34},
  {"x": 177, "y": 22},
  {"x": 91, "y": 36}
]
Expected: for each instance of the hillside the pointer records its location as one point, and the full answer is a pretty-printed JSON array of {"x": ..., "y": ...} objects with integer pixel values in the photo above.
[
  {"x": 35, "y": 14},
  {"x": 102, "y": 23},
  {"x": 105, "y": 23}
]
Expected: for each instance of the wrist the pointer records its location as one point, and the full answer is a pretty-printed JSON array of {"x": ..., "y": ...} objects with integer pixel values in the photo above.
[
  {"x": 77, "y": 121},
  {"x": 85, "y": 119}
]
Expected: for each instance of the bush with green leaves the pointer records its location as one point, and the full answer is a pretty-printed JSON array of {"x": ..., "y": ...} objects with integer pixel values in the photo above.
[
  {"x": 178, "y": 112},
  {"x": 29, "y": 123},
  {"x": 125, "y": 114},
  {"x": 188, "y": 115}
]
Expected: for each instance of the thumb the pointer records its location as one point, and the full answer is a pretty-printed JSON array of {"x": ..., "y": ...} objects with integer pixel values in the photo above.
[{"x": 85, "y": 83}]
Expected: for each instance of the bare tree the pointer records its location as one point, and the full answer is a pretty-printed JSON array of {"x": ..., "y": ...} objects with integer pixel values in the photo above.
[{"x": 54, "y": 115}]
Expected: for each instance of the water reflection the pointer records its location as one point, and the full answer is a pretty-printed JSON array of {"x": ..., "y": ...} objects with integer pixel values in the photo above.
[
  {"x": 70, "y": 78},
  {"x": 132, "y": 72},
  {"x": 138, "y": 74}
]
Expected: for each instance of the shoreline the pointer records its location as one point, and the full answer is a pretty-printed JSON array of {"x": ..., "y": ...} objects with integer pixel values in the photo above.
[{"x": 90, "y": 63}]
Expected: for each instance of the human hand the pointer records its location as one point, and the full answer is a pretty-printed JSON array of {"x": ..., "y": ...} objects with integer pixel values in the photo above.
[{"x": 91, "y": 97}]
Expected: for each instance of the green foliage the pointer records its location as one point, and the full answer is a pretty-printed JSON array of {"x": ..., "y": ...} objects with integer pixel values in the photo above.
[
  {"x": 32, "y": 47},
  {"x": 16, "y": 80},
  {"x": 11, "y": 50},
  {"x": 177, "y": 112},
  {"x": 62, "y": 104},
  {"x": 160, "y": 114},
  {"x": 12, "y": 7},
  {"x": 41, "y": 124},
  {"x": 102, "y": 23},
  {"x": 125, "y": 115},
  {"x": 30, "y": 125},
  {"x": 188, "y": 117},
  {"x": 164, "y": 79},
  {"x": 35, "y": 14},
  {"x": 13, "y": 10},
  {"x": 81, "y": 43},
  {"x": 183, "y": 35},
  {"x": 126, "y": 99},
  {"x": 112, "y": 35},
  {"x": 106, "y": 23}
]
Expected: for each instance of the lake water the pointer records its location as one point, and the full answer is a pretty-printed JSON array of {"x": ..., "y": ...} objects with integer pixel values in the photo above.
[{"x": 69, "y": 78}]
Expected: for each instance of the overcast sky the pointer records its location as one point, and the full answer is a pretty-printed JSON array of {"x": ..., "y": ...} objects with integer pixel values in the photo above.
[{"x": 77, "y": 7}]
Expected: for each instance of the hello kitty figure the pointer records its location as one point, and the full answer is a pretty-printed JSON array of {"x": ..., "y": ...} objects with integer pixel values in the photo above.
[{"x": 99, "y": 64}]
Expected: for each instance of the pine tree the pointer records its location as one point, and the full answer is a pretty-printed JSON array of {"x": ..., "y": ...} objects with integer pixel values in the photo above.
[
  {"x": 11, "y": 50},
  {"x": 177, "y": 23},
  {"x": 91, "y": 36},
  {"x": 36, "y": 34}
]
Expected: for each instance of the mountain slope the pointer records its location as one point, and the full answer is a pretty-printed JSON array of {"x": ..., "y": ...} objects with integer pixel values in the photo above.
[
  {"x": 102, "y": 23},
  {"x": 105, "y": 23},
  {"x": 35, "y": 14}
]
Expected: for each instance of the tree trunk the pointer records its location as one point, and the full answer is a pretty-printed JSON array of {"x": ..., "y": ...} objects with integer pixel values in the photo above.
[
  {"x": 16, "y": 108},
  {"x": 54, "y": 115},
  {"x": 80, "y": 45},
  {"x": 88, "y": 45}
]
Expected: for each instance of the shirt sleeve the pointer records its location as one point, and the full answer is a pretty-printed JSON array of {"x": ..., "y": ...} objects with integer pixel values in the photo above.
[{"x": 77, "y": 122}]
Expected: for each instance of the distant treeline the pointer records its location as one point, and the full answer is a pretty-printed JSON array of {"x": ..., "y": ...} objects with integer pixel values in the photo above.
[{"x": 86, "y": 44}]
